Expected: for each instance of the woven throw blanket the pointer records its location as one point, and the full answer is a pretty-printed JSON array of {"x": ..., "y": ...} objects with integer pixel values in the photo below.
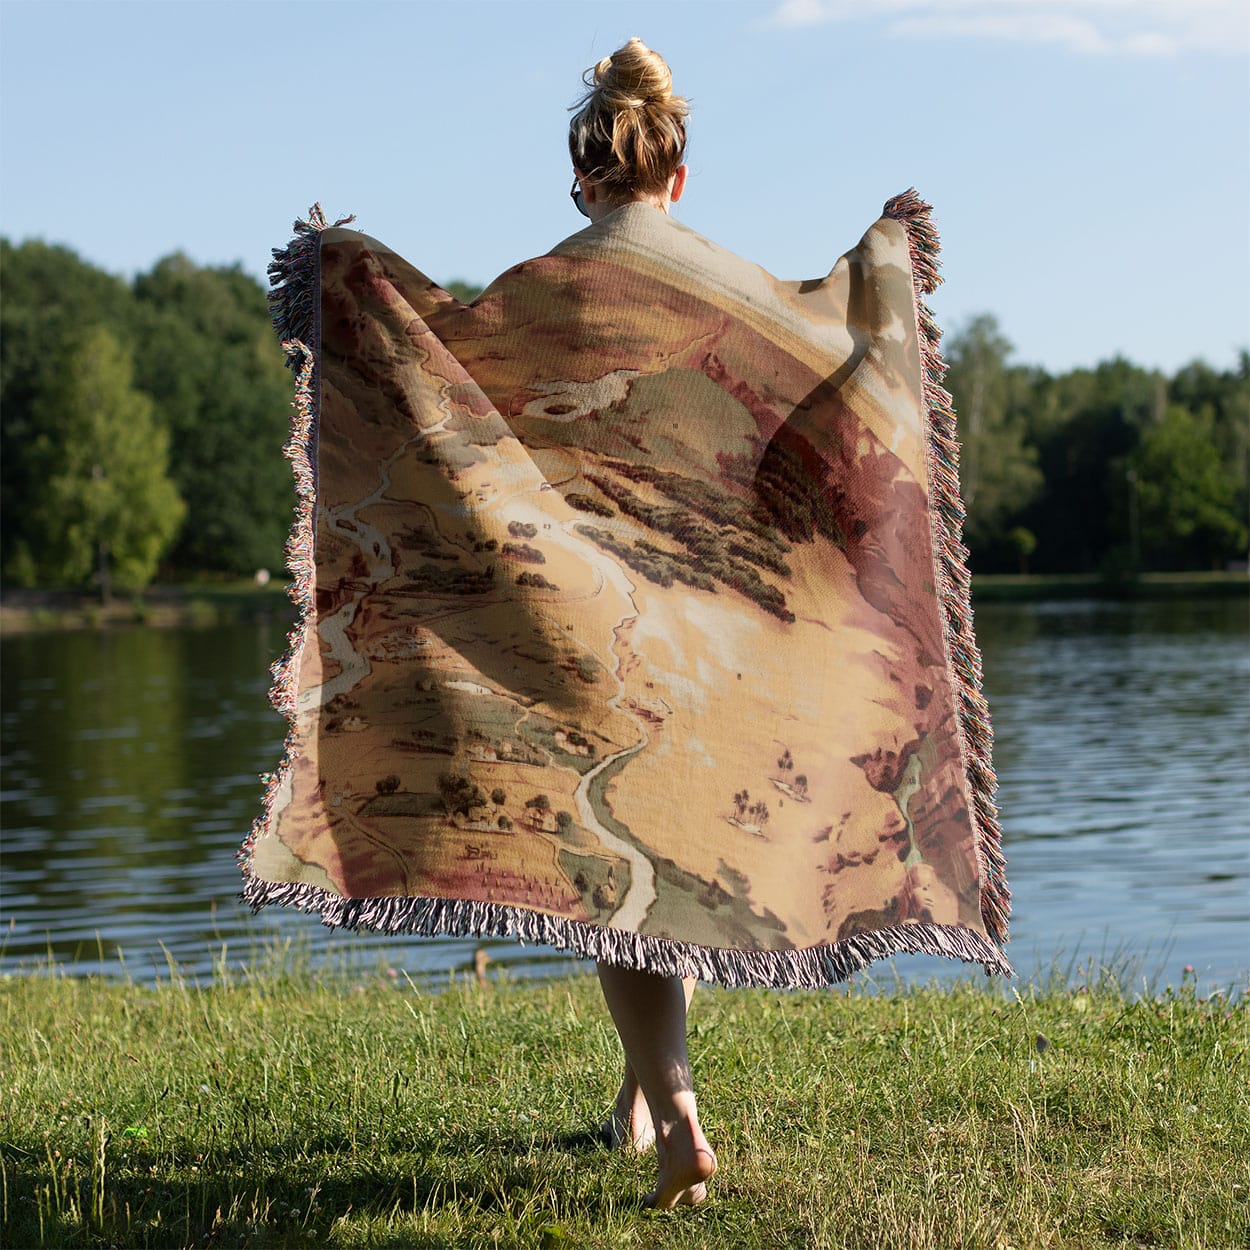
[{"x": 634, "y": 616}]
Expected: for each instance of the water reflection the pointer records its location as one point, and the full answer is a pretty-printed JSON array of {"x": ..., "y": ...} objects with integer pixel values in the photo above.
[{"x": 132, "y": 758}]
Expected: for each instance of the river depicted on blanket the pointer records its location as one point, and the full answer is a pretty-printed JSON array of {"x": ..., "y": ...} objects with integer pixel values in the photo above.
[{"x": 635, "y": 615}]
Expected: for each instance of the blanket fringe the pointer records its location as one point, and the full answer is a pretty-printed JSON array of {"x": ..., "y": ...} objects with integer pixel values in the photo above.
[
  {"x": 295, "y": 279},
  {"x": 953, "y": 580},
  {"x": 809, "y": 968},
  {"x": 294, "y": 304}
]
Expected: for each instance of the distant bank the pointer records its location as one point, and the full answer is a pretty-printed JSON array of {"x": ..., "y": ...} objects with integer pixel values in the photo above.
[
  {"x": 997, "y": 587},
  {"x": 210, "y": 603},
  {"x": 175, "y": 605}
]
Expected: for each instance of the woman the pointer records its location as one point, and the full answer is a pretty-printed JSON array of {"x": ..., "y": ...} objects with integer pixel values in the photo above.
[
  {"x": 634, "y": 617},
  {"x": 627, "y": 141}
]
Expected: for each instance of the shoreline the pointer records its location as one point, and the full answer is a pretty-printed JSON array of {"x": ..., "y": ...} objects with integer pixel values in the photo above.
[
  {"x": 1014, "y": 587},
  {"x": 283, "y": 965},
  {"x": 172, "y": 606},
  {"x": 203, "y": 604}
]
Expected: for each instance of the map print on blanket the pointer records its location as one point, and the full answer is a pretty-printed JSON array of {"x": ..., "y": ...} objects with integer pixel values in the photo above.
[{"x": 627, "y": 614}]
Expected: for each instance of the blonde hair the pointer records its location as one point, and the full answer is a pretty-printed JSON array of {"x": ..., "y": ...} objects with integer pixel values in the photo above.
[{"x": 629, "y": 133}]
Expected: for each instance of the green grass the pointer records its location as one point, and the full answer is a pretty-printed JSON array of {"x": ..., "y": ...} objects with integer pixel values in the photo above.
[{"x": 294, "y": 1109}]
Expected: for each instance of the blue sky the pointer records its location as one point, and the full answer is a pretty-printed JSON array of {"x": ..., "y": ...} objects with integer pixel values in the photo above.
[{"x": 1088, "y": 160}]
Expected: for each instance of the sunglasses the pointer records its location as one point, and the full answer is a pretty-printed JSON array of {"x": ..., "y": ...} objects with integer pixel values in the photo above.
[{"x": 576, "y": 195}]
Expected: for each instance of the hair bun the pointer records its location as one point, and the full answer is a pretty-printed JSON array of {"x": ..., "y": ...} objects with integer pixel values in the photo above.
[
  {"x": 634, "y": 76},
  {"x": 629, "y": 131}
]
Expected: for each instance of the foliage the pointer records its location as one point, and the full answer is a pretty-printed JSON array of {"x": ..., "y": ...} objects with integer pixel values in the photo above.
[
  {"x": 51, "y": 299},
  {"x": 1186, "y": 490},
  {"x": 1115, "y": 467},
  {"x": 998, "y": 468},
  {"x": 351, "y": 1109},
  {"x": 465, "y": 292},
  {"x": 1223, "y": 400},
  {"x": 1055, "y": 458},
  {"x": 208, "y": 351},
  {"x": 104, "y": 502},
  {"x": 1024, "y": 543}
]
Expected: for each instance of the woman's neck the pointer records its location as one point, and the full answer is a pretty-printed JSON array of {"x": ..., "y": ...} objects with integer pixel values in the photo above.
[{"x": 601, "y": 207}]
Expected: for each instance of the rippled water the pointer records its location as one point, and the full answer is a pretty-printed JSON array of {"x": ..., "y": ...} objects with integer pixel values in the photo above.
[{"x": 131, "y": 761}]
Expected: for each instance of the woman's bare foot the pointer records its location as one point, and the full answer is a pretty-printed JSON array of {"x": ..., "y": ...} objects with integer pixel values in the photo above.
[
  {"x": 649, "y": 1011},
  {"x": 629, "y": 1126},
  {"x": 686, "y": 1165}
]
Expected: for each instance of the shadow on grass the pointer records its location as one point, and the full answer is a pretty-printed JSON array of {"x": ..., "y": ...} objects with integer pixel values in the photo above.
[{"x": 262, "y": 1197}]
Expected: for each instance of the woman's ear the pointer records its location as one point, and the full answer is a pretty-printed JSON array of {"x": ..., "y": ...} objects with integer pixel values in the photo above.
[{"x": 678, "y": 184}]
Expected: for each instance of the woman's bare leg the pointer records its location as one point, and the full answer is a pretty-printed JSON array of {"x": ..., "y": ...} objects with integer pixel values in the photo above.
[
  {"x": 629, "y": 1125},
  {"x": 650, "y": 1015}
]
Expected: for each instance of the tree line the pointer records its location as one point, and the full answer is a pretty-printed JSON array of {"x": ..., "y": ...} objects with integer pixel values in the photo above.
[
  {"x": 1112, "y": 470},
  {"x": 143, "y": 424}
]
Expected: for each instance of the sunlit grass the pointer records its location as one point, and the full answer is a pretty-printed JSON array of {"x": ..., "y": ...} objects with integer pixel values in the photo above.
[{"x": 275, "y": 1106}]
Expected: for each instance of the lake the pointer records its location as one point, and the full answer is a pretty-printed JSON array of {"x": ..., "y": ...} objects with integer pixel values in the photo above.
[{"x": 131, "y": 762}]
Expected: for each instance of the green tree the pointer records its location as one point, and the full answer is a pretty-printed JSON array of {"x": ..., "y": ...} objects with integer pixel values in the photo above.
[
  {"x": 105, "y": 504},
  {"x": 1223, "y": 397},
  {"x": 51, "y": 298},
  {"x": 1023, "y": 542},
  {"x": 1086, "y": 423},
  {"x": 1185, "y": 494},
  {"x": 465, "y": 292},
  {"x": 208, "y": 356},
  {"x": 998, "y": 470}
]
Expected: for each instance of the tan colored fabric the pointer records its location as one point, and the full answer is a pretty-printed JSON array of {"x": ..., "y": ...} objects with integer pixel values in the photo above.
[{"x": 626, "y": 608}]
